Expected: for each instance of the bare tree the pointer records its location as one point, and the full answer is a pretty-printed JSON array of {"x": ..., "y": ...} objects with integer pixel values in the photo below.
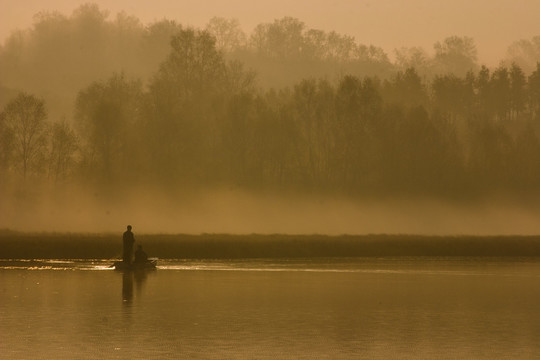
[
  {"x": 229, "y": 36},
  {"x": 456, "y": 55},
  {"x": 64, "y": 145},
  {"x": 25, "y": 118}
]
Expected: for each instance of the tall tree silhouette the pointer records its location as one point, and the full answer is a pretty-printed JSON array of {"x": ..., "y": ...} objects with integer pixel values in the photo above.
[
  {"x": 229, "y": 36},
  {"x": 534, "y": 92},
  {"x": 456, "y": 55},
  {"x": 525, "y": 53},
  {"x": 24, "y": 120},
  {"x": 106, "y": 115},
  {"x": 64, "y": 144}
]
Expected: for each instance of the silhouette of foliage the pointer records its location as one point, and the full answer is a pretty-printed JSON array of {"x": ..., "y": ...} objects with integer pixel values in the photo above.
[
  {"x": 283, "y": 108},
  {"x": 25, "y": 128}
]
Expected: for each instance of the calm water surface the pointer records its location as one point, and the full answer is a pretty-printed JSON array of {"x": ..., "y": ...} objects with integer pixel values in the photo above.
[{"x": 363, "y": 308}]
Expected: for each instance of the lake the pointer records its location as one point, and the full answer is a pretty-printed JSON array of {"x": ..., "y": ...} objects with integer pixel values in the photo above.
[{"x": 326, "y": 308}]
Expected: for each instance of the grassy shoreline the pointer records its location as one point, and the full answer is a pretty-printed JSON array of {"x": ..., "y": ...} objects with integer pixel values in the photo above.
[{"x": 18, "y": 245}]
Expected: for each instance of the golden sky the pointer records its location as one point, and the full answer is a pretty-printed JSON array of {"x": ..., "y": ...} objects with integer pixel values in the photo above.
[{"x": 494, "y": 24}]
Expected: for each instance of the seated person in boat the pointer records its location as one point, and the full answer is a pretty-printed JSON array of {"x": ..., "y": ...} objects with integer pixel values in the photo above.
[{"x": 140, "y": 256}]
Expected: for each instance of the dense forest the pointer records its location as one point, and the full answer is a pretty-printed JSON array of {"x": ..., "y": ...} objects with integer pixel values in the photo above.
[{"x": 115, "y": 103}]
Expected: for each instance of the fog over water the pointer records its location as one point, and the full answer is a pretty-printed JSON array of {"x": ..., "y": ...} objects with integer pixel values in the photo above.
[{"x": 239, "y": 212}]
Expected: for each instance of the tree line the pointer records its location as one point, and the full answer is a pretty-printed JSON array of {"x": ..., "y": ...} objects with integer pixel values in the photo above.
[{"x": 201, "y": 119}]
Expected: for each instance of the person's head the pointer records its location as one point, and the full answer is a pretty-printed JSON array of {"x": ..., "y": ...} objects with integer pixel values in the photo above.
[{"x": 129, "y": 227}]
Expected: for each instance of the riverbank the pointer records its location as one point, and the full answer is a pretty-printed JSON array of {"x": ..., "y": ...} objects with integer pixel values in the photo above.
[{"x": 17, "y": 245}]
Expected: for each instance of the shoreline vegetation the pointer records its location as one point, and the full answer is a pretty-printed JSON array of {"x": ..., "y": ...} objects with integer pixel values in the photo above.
[{"x": 21, "y": 245}]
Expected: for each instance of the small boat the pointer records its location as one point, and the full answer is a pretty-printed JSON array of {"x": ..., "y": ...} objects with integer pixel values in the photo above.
[{"x": 148, "y": 265}]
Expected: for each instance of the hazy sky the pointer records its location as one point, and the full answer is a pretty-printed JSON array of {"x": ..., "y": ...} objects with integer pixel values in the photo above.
[{"x": 494, "y": 24}]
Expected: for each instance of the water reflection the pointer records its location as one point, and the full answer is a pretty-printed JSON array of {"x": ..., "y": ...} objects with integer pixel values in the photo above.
[
  {"x": 127, "y": 287},
  {"x": 421, "y": 308},
  {"x": 129, "y": 279}
]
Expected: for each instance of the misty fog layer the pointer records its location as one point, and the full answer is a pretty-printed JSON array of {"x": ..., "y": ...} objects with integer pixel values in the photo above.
[
  {"x": 236, "y": 212},
  {"x": 287, "y": 129}
]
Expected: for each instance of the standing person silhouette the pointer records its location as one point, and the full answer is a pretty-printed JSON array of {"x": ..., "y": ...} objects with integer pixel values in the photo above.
[{"x": 128, "y": 241}]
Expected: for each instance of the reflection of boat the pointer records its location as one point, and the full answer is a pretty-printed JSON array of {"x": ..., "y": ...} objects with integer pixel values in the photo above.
[{"x": 148, "y": 265}]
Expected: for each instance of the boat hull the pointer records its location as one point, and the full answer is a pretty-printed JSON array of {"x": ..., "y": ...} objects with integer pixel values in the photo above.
[{"x": 149, "y": 265}]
